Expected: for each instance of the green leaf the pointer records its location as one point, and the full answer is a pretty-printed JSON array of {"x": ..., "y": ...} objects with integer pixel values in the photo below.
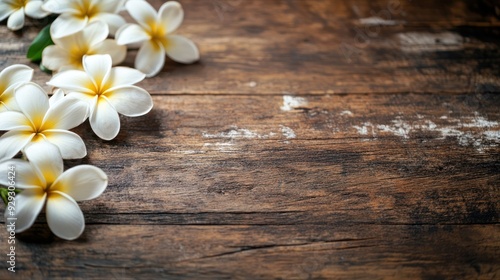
[
  {"x": 41, "y": 41},
  {"x": 4, "y": 193},
  {"x": 45, "y": 69}
]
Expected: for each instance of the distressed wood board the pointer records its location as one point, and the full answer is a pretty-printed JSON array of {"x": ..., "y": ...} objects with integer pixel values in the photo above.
[{"x": 315, "y": 139}]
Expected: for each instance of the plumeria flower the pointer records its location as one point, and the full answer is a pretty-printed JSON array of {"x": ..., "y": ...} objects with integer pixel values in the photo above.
[
  {"x": 76, "y": 14},
  {"x": 38, "y": 122},
  {"x": 16, "y": 9},
  {"x": 154, "y": 32},
  {"x": 44, "y": 184},
  {"x": 10, "y": 78},
  {"x": 68, "y": 52},
  {"x": 107, "y": 92}
]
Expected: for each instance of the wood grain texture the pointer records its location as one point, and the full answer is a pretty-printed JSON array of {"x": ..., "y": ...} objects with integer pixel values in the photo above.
[
  {"x": 325, "y": 47},
  {"x": 264, "y": 252},
  {"x": 200, "y": 191},
  {"x": 281, "y": 156}
]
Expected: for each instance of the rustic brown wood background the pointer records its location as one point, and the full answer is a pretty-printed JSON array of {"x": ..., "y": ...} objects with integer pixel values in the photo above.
[{"x": 315, "y": 139}]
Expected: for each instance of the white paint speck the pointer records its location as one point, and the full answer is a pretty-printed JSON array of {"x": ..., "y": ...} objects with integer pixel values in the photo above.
[
  {"x": 235, "y": 133},
  {"x": 287, "y": 132},
  {"x": 480, "y": 122},
  {"x": 363, "y": 130},
  {"x": 346, "y": 113},
  {"x": 188, "y": 152},
  {"x": 292, "y": 102},
  {"x": 460, "y": 129},
  {"x": 252, "y": 84},
  {"x": 379, "y": 21},
  {"x": 221, "y": 147},
  {"x": 398, "y": 127},
  {"x": 366, "y": 129},
  {"x": 492, "y": 135},
  {"x": 429, "y": 125}
]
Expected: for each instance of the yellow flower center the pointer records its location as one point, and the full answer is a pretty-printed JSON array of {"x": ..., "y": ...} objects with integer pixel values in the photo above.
[
  {"x": 38, "y": 128},
  {"x": 99, "y": 89},
  {"x": 158, "y": 34},
  {"x": 49, "y": 180},
  {"x": 3, "y": 98},
  {"x": 77, "y": 53},
  {"x": 87, "y": 9},
  {"x": 38, "y": 137},
  {"x": 18, "y": 4}
]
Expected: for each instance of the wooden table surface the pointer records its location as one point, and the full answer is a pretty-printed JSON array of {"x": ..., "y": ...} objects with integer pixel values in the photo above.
[{"x": 315, "y": 139}]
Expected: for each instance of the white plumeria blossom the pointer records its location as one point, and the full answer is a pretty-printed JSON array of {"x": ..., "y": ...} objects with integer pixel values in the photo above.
[
  {"x": 43, "y": 183},
  {"x": 76, "y": 14},
  {"x": 38, "y": 122},
  {"x": 16, "y": 9},
  {"x": 107, "y": 91},
  {"x": 154, "y": 32},
  {"x": 68, "y": 52},
  {"x": 10, "y": 78}
]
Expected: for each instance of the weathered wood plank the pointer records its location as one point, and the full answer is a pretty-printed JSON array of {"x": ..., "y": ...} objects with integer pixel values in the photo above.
[
  {"x": 254, "y": 252},
  {"x": 254, "y": 164},
  {"x": 324, "y": 47},
  {"x": 405, "y": 159}
]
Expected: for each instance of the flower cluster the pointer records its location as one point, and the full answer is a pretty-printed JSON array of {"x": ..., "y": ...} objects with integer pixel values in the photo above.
[{"x": 87, "y": 84}]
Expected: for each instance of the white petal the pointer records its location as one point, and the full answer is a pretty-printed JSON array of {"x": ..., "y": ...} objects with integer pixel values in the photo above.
[
  {"x": 26, "y": 177},
  {"x": 14, "y": 75},
  {"x": 131, "y": 101},
  {"x": 12, "y": 142},
  {"x": 16, "y": 20},
  {"x": 59, "y": 7},
  {"x": 94, "y": 33},
  {"x": 9, "y": 103},
  {"x": 69, "y": 143},
  {"x": 104, "y": 120},
  {"x": 131, "y": 33},
  {"x": 67, "y": 24},
  {"x": 56, "y": 96},
  {"x": 109, "y": 6},
  {"x": 113, "y": 21},
  {"x": 5, "y": 10},
  {"x": 171, "y": 15},
  {"x": 73, "y": 80},
  {"x": 90, "y": 100},
  {"x": 66, "y": 114},
  {"x": 122, "y": 76},
  {"x": 45, "y": 159},
  {"x": 64, "y": 217},
  {"x": 34, "y": 9},
  {"x": 109, "y": 46},
  {"x": 12, "y": 120},
  {"x": 98, "y": 67},
  {"x": 70, "y": 43},
  {"x": 10, "y": 78},
  {"x": 55, "y": 57},
  {"x": 83, "y": 182},
  {"x": 142, "y": 12},
  {"x": 33, "y": 101},
  {"x": 181, "y": 49},
  {"x": 29, "y": 203},
  {"x": 150, "y": 58}
]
